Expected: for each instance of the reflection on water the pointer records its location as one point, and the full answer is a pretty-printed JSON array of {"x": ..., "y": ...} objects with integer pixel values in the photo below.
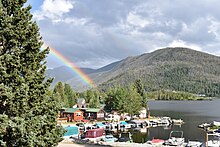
[{"x": 192, "y": 112}]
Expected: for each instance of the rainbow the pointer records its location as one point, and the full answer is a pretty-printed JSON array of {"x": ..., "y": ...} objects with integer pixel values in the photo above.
[{"x": 70, "y": 64}]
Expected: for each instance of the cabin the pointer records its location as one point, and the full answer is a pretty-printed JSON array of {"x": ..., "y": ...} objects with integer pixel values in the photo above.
[
  {"x": 93, "y": 113},
  {"x": 95, "y": 134},
  {"x": 73, "y": 114}
]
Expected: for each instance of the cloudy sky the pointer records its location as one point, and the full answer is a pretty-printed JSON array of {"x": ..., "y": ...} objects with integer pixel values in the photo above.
[{"x": 94, "y": 33}]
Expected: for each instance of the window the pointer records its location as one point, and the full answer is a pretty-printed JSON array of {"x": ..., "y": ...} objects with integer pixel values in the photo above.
[
  {"x": 100, "y": 115},
  {"x": 78, "y": 114}
]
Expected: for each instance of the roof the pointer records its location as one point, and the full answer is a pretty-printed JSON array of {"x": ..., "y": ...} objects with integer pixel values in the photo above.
[
  {"x": 97, "y": 129},
  {"x": 71, "y": 110},
  {"x": 100, "y": 124},
  {"x": 92, "y": 110},
  {"x": 123, "y": 123}
]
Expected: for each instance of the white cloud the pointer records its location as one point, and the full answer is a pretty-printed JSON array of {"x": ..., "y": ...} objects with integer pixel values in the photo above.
[
  {"x": 181, "y": 43},
  {"x": 96, "y": 62},
  {"x": 86, "y": 31},
  {"x": 75, "y": 21},
  {"x": 214, "y": 28},
  {"x": 138, "y": 20},
  {"x": 54, "y": 9}
]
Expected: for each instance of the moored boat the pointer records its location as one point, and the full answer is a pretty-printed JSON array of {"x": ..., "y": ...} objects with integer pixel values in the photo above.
[
  {"x": 156, "y": 142},
  {"x": 175, "y": 139},
  {"x": 125, "y": 137},
  {"x": 177, "y": 121},
  {"x": 110, "y": 138},
  {"x": 194, "y": 144},
  {"x": 204, "y": 125},
  {"x": 215, "y": 141}
]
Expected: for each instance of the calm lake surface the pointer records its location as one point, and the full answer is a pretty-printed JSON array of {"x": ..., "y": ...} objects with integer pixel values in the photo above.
[{"x": 193, "y": 113}]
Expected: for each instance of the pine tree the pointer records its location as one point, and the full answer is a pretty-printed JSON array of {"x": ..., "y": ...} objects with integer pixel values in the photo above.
[
  {"x": 70, "y": 95},
  {"x": 133, "y": 101},
  {"x": 140, "y": 89},
  {"x": 59, "y": 91},
  {"x": 93, "y": 99},
  {"x": 27, "y": 113}
]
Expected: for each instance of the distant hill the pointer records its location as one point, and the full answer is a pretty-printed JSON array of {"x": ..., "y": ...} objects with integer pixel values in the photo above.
[
  {"x": 179, "y": 69},
  {"x": 64, "y": 73}
]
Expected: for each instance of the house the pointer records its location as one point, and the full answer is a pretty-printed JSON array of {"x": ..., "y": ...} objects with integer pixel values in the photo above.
[
  {"x": 72, "y": 114},
  {"x": 93, "y": 113},
  {"x": 143, "y": 113}
]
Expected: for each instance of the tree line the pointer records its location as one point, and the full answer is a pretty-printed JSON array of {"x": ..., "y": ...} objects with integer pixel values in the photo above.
[{"x": 128, "y": 99}]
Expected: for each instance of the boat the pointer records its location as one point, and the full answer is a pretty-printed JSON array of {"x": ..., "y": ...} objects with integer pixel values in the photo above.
[
  {"x": 125, "y": 125},
  {"x": 216, "y": 123},
  {"x": 95, "y": 135},
  {"x": 110, "y": 138},
  {"x": 156, "y": 142},
  {"x": 215, "y": 141},
  {"x": 194, "y": 144},
  {"x": 204, "y": 125},
  {"x": 175, "y": 139},
  {"x": 125, "y": 137},
  {"x": 177, "y": 121},
  {"x": 137, "y": 123},
  {"x": 164, "y": 121}
]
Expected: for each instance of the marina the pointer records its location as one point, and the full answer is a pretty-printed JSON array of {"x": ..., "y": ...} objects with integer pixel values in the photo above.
[{"x": 157, "y": 131}]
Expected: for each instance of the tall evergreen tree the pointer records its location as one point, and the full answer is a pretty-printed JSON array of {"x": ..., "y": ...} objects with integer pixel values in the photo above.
[
  {"x": 92, "y": 98},
  {"x": 60, "y": 93},
  {"x": 70, "y": 95},
  {"x": 132, "y": 104},
  {"x": 27, "y": 114},
  {"x": 140, "y": 89}
]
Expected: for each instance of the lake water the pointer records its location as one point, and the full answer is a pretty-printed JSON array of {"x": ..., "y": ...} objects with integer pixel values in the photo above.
[{"x": 193, "y": 113}]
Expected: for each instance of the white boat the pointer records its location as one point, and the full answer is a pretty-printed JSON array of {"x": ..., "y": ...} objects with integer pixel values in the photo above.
[
  {"x": 215, "y": 141},
  {"x": 164, "y": 121},
  {"x": 204, "y": 125},
  {"x": 175, "y": 139},
  {"x": 177, "y": 121},
  {"x": 194, "y": 144},
  {"x": 216, "y": 123},
  {"x": 110, "y": 138}
]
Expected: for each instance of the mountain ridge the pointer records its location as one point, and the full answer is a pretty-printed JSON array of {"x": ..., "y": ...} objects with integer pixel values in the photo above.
[{"x": 167, "y": 68}]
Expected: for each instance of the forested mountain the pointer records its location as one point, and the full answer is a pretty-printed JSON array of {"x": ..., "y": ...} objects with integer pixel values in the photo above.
[{"x": 176, "y": 69}]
